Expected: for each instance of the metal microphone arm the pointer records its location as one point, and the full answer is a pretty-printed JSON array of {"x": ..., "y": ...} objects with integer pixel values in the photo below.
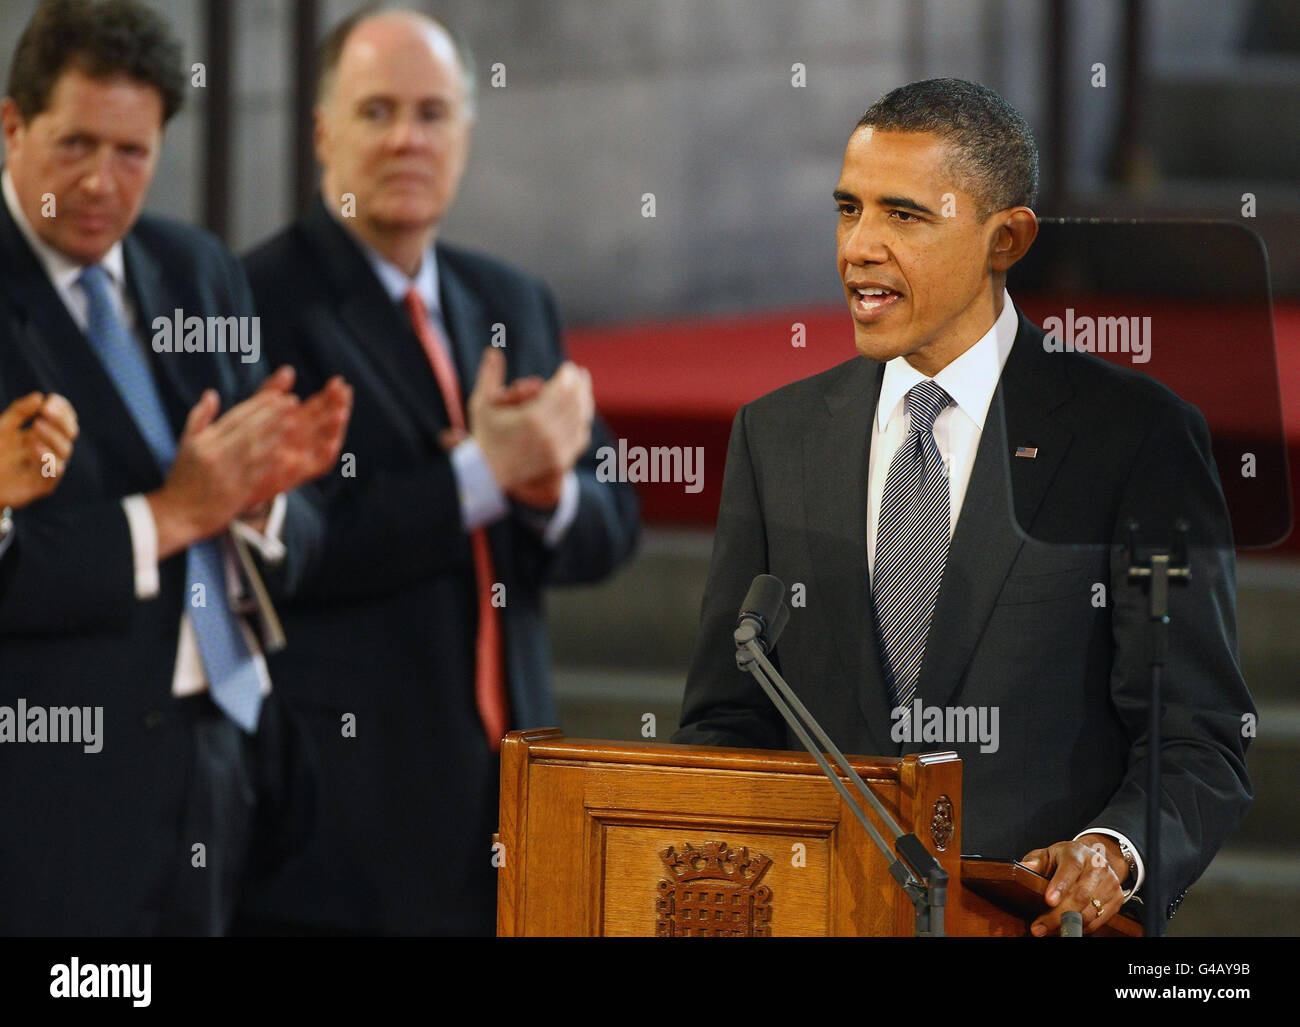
[{"x": 909, "y": 863}]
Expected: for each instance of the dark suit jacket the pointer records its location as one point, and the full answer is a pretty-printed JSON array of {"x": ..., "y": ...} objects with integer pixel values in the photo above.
[
  {"x": 384, "y": 628},
  {"x": 1015, "y": 625},
  {"x": 90, "y": 839}
]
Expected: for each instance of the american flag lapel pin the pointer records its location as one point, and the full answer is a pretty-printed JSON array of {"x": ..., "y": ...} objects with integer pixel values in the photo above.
[{"x": 1028, "y": 452}]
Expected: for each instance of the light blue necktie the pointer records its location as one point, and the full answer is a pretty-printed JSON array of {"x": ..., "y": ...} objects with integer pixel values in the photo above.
[
  {"x": 912, "y": 542},
  {"x": 232, "y": 674}
]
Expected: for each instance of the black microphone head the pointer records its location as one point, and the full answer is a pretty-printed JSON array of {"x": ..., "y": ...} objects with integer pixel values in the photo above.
[
  {"x": 765, "y": 598},
  {"x": 778, "y": 624}
]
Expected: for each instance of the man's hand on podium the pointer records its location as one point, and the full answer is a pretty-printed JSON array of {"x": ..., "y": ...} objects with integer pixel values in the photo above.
[{"x": 1084, "y": 877}]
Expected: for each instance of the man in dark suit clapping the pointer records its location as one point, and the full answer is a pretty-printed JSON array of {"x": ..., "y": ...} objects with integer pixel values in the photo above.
[
  {"x": 421, "y": 638},
  {"x": 122, "y": 590}
]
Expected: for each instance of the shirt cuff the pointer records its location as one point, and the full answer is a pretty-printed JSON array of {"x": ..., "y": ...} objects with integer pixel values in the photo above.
[
  {"x": 481, "y": 498},
  {"x": 553, "y": 526},
  {"x": 144, "y": 544},
  {"x": 267, "y": 542},
  {"x": 1137, "y": 856}
]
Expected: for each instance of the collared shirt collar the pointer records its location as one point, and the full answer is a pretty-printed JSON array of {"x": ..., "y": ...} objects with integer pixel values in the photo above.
[
  {"x": 63, "y": 270},
  {"x": 970, "y": 379},
  {"x": 397, "y": 283}
]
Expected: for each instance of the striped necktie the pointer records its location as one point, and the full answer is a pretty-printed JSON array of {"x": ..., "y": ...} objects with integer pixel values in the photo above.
[
  {"x": 912, "y": 542},
  {"x": 232, "y": 676}
]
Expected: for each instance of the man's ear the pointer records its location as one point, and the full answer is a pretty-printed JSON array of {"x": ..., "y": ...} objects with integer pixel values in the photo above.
[
  {"x": 318, "y": 133},
  {"x": 12, "y": 118},
  {"x": 1016, "y": 232}
]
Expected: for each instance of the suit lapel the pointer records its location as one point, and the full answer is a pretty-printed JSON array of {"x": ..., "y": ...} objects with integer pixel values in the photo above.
[
  {"x": 39, "y": 312},
  {"x": 379, "y": 329},
  {"x": 989, "y": 534},
  {"x": 466, "y": 321},
  {"x": 145, "y": 282},
  {"x": 57, "y": 350},
  {"x": 836, "y": 453},
  {"x": 32, "y": 349}
]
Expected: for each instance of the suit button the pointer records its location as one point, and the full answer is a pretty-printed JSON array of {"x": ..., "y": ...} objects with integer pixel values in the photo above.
[{"x": 153, "y": 720}]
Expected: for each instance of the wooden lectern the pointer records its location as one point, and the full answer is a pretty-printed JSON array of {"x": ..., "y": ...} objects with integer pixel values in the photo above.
[{"x": 624, "y": 839}]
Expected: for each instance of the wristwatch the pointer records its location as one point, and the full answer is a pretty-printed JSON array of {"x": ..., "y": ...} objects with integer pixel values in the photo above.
[{"x": 1130, "y": 858}]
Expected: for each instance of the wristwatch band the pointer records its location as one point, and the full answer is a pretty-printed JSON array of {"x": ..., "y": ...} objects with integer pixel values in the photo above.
[{"x": 1130, "y": 858}]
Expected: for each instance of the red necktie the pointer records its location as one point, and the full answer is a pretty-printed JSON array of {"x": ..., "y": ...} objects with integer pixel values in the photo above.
[{"x": 489, "y": 678}]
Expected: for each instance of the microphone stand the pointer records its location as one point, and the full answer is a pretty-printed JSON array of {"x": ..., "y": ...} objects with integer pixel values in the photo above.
[
  {"x": 1154, "y": 575},
  {"x": 913, "y": 861}
]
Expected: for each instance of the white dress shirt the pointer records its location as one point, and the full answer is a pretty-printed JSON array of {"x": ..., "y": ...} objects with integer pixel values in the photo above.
[
  {"x": 970, "y": 380},
  {"x": 188, "y": 677},
  {"x": 481, "y": 499}
]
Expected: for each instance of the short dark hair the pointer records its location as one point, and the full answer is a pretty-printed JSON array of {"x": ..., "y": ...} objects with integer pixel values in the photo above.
[
  {"x": 993, "y": 147},
  {"x": 115, "y": 37},
  {"x": 331, "y": 50}
]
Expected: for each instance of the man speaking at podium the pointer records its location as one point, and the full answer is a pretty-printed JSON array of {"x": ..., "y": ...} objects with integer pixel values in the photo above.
[{"x": 885, "y": 487}]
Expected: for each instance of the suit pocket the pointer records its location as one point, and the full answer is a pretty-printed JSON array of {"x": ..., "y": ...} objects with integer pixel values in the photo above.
[{"x": 1019, "y": 589}]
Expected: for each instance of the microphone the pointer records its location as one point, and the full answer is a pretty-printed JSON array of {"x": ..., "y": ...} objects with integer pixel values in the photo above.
[
  {"x": 763, "y": 614},
  {"x": 1071, "y": 924},
  {"x": 781, "y": 620}
]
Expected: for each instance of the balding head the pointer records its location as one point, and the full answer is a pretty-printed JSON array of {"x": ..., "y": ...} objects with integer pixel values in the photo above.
[
  {"x": 392, "y": 129},
  {"x": 371, "y": 31}
]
